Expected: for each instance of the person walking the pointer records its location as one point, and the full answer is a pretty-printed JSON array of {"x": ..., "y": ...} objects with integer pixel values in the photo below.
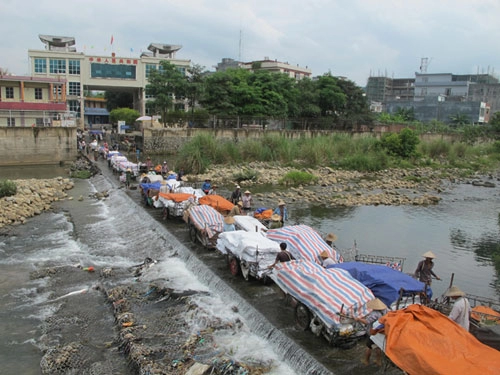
[
  {"x": 128, "y": 177},
  {"x": 236, "y": 195},
  {"x": 282, "y": 211},
  {"x": 424, "y": 270}
]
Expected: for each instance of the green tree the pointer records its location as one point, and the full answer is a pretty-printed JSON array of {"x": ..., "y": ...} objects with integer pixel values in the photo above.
[
  {"x": 403, "y": 144},
  {"x": 460, "y": 119},
  {"x": 166, "y": 84},
  {"x": 355, "y": 108},
  {"x": 123, "y": 114},
  {"x": 494, "y": 122},
  {"x": 331, "y": 98},
  {"x": 406, "y": 114},
  {"x": 115, "y": 99},
  {"x": 194, "y": 86}
]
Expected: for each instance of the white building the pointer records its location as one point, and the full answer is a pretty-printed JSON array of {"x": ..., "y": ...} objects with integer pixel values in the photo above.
[{"x": 82, "y": 72}]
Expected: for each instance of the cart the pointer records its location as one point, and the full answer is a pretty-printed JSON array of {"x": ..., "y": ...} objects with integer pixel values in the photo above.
[
  {"x": 326, "y": 301},
  {"x": 249, "y": 224},
  {"x": 174, "y": 204},
  {"x": 204, "y": 225},
  {"x": 248, "y": 253},
  {"x": 221, "y": 204},
  {"x": 303, "y": 242}
]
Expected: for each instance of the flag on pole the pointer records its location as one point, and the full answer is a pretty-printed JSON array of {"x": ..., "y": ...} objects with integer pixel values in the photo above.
[{"x": 112, "y": 39}]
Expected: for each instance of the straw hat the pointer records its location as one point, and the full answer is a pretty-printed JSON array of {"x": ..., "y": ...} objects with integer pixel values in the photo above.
[
  {"x": 275, "y": 217},
  {"x": 184, "y": 178},
  {"x": 324, "y": 254},
  {"x": 454, "y": 291},
  {"x": 164, "y": 162},
  {"x": 229, "y": 220},
  {"x": 240, "y": 203},
  {"x": 247, "y": 192},
  {"x": 171, "y": 172},
  {"x": 281, "y": 203},
  {"x": 331, "y": 237},
  {"x": 129, "y": 170},
  {"x": 429, "y": 254},
  {"x": 214, "y": 186},
  {"x": 238, "y": 187},
  {"x": 376, "y": 304}
]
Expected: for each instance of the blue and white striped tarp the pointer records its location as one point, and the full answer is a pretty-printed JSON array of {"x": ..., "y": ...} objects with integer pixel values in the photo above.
[
  {"x": 326, "y": 292},
  {"x": 207, "y": 219},
  {"x": 303, "y": 242}
]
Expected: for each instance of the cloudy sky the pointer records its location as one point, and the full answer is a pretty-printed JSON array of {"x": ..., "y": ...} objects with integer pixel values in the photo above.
[{"x": 351, "y": 38}]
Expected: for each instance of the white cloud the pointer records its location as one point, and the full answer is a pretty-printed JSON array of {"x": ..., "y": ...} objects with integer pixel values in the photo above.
[{"x": 347, "y": 38}]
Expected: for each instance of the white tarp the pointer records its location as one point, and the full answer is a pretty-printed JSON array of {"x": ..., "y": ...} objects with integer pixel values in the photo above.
[
  {"x": 248, "y": 246},
  {"x": 249, "y": 224}
]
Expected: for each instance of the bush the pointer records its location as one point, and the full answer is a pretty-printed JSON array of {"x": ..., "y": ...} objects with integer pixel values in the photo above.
[
  {"x": 403, "y": 144},
  {"x": 374, "y": 161},
  {"x": 297, "y": 178},
  {"x": 7, "y": 188}
]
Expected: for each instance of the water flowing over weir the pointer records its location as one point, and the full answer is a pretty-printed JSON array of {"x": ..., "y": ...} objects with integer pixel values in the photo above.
[{"x": 142, "y": 233}]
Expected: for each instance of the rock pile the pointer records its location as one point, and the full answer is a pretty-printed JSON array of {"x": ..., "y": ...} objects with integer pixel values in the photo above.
[{"x": 33, "y": 197}]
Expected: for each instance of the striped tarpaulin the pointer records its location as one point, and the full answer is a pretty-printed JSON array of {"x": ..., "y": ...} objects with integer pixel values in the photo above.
[
  {"x": 208, "y": 219},
  {"x": 303, "y": 242},
  {"x": 326, "y": 292}
]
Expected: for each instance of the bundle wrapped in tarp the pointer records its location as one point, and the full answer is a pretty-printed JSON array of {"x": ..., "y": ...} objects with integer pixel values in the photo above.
[
  {"x": 146, "y": 187},
  {"x": 221, "y": 204},
  {"x": 249, "y": 224},
  {"x": 263, "y": 213},
  {"x": 383, "y": 281},
  {"x": 176, "y": 197},
  {"x": 303, "y": 242},
  {"x": 248, "y": 246},
  {"x": 206, "y": 219},
  {"x": 420, "y": 340},
  {"x": 327, "y": 293}
]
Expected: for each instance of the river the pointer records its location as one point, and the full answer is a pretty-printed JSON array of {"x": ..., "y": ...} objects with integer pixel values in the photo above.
[{"x": 462, "y": 230}]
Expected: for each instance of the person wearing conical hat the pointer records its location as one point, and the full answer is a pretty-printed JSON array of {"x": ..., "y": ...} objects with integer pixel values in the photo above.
[
  {"x": 236, "y": 210},
  {"x": 325, "y": 259},
  {"x": 424, "y": 270},
  {"x": 330, "y": 238},
  {"x": 461, "y": 308},
  {"x": 229, "y": 224},
  {"x": 275, "y": 222},
  {"x": 282, "y": 211},
  {"x": 379, "y": 309}
]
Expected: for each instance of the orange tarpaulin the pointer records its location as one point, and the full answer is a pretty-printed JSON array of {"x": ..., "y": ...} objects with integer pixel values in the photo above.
[
  {"x": 177, "y": 197},
  {"x": 264, "y": 215},
  {"x": 420, "y": 340},
  {"x": 216, "y": 201},
  {"x": 481, "y": 313}
]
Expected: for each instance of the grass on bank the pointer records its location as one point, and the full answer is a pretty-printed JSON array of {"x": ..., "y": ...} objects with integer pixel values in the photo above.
[{"x": 338, "y": 151}]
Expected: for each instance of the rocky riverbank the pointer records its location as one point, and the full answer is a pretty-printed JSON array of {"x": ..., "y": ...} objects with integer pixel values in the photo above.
[
  {"x": 332, "y": 187},
  {"x": 33, "y": 197}
]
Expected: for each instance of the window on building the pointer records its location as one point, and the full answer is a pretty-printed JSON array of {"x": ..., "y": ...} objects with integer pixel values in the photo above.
[
  {"x": 149, "y": 68},
  {"x": 11, "y": 121},
  {"x": 57, "y": 90},
  {"x": 74, "y": 105},
  {"x": 9, "y": 92},
  {"x": 40, "y": 66},
  {"x": 74, "y": 88},
  {"x": 39, "y": 121},
  {"x": 447, "y": 92},
  {"x": 74, "y": 66},
  {"x": 38, "y": 93},
  {"x": 57, "y": 66},
  {"x": 112, "y": 71},
  {"x": 423, "y": 92}
]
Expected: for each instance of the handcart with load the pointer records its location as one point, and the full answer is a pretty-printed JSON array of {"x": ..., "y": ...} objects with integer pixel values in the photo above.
[
  {"x": 204, "y": 224},
  {"x": 174, "y": 204},
  {"x": 249, "y": 224},
  {"x": 248, "y": 253},
  {"x": 327, "y": 301},
  {"x": 220, "y": 204},
  {"x": 303, "y": 242}
]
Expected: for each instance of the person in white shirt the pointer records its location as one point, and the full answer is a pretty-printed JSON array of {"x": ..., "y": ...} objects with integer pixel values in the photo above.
[
  {"x": 325, "y": 259},
  {"x": 461, "y": 308}
]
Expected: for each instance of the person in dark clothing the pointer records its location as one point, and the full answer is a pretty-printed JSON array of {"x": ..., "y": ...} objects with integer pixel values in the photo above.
[
  {"x": 236, "y": 195},
  {"x": 283, "y": 256}
]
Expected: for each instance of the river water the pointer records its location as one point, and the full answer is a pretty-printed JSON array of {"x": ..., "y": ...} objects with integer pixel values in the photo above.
[{"x": 462, "y": 230}]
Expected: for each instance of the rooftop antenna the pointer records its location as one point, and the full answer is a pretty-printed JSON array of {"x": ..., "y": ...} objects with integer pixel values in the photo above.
[
  {"x": 239, "y": 48},
  {"x": 424, "y": 63}
]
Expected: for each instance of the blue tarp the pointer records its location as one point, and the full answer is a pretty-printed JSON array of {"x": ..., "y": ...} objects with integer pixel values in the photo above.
[
  {"x": 145, "y": 186},
  {"x": 384, "y": 282}
]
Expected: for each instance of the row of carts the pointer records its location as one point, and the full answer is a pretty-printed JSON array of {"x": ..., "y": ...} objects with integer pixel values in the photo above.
[{"x": 327, "y": 301}]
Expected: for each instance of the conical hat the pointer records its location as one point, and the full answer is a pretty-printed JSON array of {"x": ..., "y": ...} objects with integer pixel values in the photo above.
[
  {"x": 454, "y": 291},
  {"x": 281, "y": 202},
  {"x": 229, "y": 220},
  {"x": 376, "y": 304},
  {"x": 324, "y": 254},
  {"x": 429, "y": 254},
  {"x": 275, "y": 217},
  {"x": 331, "y": 237}
]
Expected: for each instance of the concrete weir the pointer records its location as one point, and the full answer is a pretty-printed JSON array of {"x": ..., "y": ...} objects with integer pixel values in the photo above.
[{"x": 163, "y": 311}]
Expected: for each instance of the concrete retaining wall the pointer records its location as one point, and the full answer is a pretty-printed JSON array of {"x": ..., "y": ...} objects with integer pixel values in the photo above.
[{"x": 37, "y": 146}]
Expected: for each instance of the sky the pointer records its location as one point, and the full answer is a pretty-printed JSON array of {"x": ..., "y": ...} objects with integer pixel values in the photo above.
[{"x": 350, "y": 38}]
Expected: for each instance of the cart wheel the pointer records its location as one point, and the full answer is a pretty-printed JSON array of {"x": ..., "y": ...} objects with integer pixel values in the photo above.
[
  {"x": 192, "y": 233},
  {"x": 234, "y": 267},
  {"x": 302, "y": 316}
]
